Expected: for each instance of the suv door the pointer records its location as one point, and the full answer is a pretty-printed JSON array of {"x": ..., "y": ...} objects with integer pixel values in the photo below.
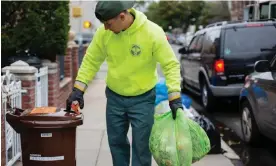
[
  {"x": 186, "y": 67},
  {"x": 195, "y": 62}
]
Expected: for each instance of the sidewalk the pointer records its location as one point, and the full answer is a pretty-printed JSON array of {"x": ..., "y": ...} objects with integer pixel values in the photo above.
[{"x": 92, "y": 145}]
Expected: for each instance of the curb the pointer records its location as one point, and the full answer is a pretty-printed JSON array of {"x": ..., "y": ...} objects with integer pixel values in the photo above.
[{"x": 230, "y": 153}]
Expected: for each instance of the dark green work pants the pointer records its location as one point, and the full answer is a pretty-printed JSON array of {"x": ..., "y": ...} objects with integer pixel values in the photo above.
[{"x": 137, "y": 111}]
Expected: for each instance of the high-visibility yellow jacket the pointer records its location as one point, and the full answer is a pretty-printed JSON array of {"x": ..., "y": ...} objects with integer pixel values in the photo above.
[{"x": 132, "y": 57}]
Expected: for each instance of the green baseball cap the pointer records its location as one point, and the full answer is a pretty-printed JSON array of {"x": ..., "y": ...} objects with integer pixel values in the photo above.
[{"x": 106, "y": 10}]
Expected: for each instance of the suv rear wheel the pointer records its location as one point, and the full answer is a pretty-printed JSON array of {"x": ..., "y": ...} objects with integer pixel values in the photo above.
[{"x": 207, "y": 97}]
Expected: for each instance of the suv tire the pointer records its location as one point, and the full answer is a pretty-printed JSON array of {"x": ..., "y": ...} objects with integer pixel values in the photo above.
[
  {"x": 207, "y": 98},
  {"x": 248, "y": 123}
]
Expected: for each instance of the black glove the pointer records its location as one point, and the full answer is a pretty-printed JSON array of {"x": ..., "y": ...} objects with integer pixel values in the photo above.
[
  {"x": 174, "y": 105},
  {"x": 76, "y": 95}
]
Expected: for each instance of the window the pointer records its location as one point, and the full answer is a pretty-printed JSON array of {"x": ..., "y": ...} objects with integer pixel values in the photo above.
[
  {"x": 210, "y": 40},
  {"x": 273, "y": 11},
  {"x": 192, "y": 46},
  {"x": 199, "y": 43},
  {"x": 196, "y": 44},
  {"x": 264, "y": 11},
  {"x": 249, "y": 40},
  {"x": 251, "y": 12}
]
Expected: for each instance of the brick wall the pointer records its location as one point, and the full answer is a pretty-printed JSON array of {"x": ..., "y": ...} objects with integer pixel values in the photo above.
[
  {"x": 53, "y": 89},
  {"x": 28, "y": 99},
  {"x": 66, "y": 85},
  {"x": 64, "y": 91},
  {"x": 237, "y": 9},
  {"x": 53, "y": 83},
  {"x": 68, "y": 65},
  {"x": 75, "y": 61}
]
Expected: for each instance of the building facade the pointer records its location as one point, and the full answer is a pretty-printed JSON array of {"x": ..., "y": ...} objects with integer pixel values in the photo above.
[
  {"x": 81, "y": 14},
  {"x": 237, "y": 7}
]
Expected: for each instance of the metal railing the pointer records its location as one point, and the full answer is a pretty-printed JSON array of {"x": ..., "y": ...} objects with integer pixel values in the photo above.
[
  {"x": 11, "y": 96},
  {"x": 60, "y": 59},
  {"x": 41, "y": 89}
]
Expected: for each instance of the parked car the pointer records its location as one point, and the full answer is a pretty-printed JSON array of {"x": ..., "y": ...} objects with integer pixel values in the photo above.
[
  {"x": 170, "y": 37},
  {"x": 218, "y": 58},
  {"x": 180, "y": 39},
  {"x": 258, "y": 102},
  {"x": 83, "y": 38},
  {"x": 188, "y": 37}
]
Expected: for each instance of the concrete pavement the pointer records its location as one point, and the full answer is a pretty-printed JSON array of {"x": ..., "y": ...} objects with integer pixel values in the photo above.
[{"x": 92, "y": 145}]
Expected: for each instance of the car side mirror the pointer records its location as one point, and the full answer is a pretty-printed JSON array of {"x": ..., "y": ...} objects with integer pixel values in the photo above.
[
  {"x": 182, "y": 50},
  {"x": 262, "y": 66}
]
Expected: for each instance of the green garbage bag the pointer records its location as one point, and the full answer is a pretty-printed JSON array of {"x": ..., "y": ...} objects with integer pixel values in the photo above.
[
  {"x": 170, "y": 140},
  {"x": 200, "y": 141}
]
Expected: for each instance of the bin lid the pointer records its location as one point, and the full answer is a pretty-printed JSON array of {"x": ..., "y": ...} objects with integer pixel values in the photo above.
[
  {"x": 49, "y": 114},
  {"x": 43, "y": 117}
]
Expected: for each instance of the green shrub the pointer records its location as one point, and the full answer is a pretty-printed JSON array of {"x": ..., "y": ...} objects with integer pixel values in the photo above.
[{"x": 38, "y": 26}]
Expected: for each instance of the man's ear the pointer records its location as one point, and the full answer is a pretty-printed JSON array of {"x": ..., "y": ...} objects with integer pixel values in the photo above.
[{"x": 122, "y": 16}]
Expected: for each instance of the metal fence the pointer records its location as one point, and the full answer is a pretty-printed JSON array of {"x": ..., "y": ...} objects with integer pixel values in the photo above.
[
  {"x": 41, "y": 89},
  {"x": 81, "y": 53},
  {"x": 61, "y": 67},
  {"x": 11, "y": 93}
]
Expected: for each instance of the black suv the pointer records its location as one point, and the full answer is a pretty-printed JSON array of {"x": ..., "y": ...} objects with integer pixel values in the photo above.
[{"x": 219, "y": 57}]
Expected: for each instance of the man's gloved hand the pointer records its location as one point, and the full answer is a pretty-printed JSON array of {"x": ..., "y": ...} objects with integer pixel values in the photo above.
[
  {"x": 76, "y": 95},
  {"x": 175, "y": 104}
]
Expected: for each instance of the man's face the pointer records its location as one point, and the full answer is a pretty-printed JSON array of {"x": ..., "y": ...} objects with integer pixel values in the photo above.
[{"x": 115, "y": 24}]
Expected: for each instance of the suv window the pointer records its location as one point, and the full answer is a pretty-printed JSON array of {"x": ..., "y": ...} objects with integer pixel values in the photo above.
[
  {"x": 199, "y": 43},
  {"x": 209, "y": 41},
  {"x": 196, "y": 44},
  {"x": 273, "y": 11},
  {"x": 192, "y": 46},
  {"x": 248, "y": 40},
  {"x": 264, "y": 11}
]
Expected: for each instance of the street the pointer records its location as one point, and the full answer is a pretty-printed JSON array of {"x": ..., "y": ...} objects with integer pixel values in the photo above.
[{"x": 227, "y": 118}]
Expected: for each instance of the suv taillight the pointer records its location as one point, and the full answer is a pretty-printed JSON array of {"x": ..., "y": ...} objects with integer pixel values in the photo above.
[{"x": 219, "y": 66}]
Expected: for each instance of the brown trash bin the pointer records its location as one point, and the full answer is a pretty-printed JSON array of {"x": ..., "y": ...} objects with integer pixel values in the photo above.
[{"x": 47, "y": 139}]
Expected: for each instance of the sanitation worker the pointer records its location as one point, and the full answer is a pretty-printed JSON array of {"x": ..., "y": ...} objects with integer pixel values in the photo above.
[{"x": 132, "y": 45}]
